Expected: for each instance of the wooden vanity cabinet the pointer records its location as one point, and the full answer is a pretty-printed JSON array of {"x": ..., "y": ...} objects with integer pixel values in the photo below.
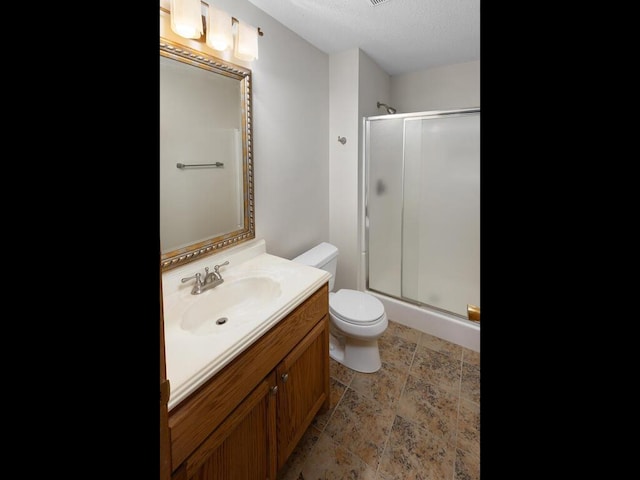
[
  {"x": 303, "y": 388},
  {"x": 244, "y": 422}
]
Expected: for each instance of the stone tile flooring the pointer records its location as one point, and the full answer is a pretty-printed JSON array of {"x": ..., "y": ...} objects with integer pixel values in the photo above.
[{"x": 418, "y": 417}]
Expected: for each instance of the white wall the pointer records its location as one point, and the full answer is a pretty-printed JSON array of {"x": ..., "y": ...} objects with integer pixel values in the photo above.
[
  {"x": 343, "y": 161},
  {"x": 292, "y": 153},
  {"x": 290, "y": 131},
  {"x": 442, "y": 88}
]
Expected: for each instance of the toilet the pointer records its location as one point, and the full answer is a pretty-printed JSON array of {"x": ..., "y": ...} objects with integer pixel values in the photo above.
[{"x": 357, "y": 319}]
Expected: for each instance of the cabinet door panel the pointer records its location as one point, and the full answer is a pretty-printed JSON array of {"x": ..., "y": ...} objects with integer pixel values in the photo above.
[
  {"x": 303, "y": 388},
  {"x": 243, "y": 446}
]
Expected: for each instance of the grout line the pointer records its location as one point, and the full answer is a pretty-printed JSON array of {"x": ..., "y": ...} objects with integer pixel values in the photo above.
[
  {"x": 457, "y": 431},
  {"x": 397, "y": 404},
  {"x": 395, "y": 414},
  {"x": 379, "y": 461},
  {"x": 386, "y": 443},
  {"x": 333, "y": 410}
]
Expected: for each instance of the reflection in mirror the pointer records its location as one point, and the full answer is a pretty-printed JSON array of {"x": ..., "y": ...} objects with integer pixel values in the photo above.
[
  {"x": 206, "y": 173},
  {"x": 200, "y": 155}
]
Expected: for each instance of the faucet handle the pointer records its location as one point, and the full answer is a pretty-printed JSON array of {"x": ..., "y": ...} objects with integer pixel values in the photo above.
[
  {"x": 216, "y": 268},
  {"x": 196, "y": 276}
]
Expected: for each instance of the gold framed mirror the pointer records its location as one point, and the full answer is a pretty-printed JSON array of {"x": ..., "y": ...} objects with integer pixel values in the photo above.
[{"x": 206, "y": 159}]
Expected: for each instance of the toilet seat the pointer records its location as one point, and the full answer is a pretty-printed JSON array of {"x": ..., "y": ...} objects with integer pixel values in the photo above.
[{"x": 355, "y": 307}]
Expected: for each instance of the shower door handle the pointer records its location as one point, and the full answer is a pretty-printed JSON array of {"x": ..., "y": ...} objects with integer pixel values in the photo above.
[{"x": 473, "y": 313}]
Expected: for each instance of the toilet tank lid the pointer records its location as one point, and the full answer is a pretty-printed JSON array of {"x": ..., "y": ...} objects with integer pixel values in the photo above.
[{"x": 318, "y": 255}]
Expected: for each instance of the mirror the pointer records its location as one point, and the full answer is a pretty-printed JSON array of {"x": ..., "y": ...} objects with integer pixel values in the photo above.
[{"x": 206, "y": 168}]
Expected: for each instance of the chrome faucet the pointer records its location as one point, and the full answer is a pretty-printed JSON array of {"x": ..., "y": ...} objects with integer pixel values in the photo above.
[{"x": 211, "y": 280}]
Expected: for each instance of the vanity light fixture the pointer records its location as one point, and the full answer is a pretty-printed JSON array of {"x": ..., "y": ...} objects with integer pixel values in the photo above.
[
  {"x": 185, "y": 18},
  {"x": 222, "y": 30}
]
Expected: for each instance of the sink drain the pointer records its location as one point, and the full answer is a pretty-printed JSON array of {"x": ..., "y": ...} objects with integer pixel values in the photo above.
[{"x": 221, "y": 321}]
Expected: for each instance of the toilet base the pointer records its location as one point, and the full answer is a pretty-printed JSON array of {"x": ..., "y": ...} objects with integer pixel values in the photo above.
[{"x": 359, "y": 355}]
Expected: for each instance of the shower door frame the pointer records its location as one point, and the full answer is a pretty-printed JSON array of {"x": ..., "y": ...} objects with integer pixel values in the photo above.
[{"x": 364, "y": 228}]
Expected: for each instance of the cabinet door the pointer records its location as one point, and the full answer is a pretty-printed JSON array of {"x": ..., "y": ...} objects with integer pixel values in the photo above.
[
  {"x": 243, "y": 446},
  {"x": 303, "y": 388}
]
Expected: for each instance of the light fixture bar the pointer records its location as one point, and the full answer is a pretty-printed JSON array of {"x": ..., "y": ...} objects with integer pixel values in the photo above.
[
  {"x": 233, "y": 19},
  {"x": 220, "y": 29}
]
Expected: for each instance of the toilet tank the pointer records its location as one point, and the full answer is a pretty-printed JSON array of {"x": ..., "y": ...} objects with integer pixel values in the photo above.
[{"x": 323, "y": 256}]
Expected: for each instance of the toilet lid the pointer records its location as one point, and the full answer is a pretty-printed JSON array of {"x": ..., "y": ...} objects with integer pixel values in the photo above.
[{"x": 355, "y": 307}]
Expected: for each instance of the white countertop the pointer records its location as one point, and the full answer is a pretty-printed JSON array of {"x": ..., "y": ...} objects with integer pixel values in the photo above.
[{"x": 192, "y": 359}]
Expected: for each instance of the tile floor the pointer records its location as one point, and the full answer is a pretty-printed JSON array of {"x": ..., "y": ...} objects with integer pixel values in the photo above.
[{"x": 418, "y": 417}]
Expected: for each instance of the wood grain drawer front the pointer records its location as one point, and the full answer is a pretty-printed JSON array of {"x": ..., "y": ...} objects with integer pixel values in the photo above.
[{"x": 193, "y": 420}]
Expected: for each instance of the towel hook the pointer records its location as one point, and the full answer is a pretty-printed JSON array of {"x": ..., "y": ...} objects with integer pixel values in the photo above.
[{"x": 342, "y": 140}]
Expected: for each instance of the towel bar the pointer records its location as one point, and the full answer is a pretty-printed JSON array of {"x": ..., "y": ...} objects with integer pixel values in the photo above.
[{"x": 215, "y": 165}]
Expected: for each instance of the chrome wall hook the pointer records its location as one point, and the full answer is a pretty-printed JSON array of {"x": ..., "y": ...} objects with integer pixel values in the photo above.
[{"x": 342, "y": 140}]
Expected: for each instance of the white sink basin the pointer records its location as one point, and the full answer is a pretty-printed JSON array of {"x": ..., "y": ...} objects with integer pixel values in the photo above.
[
  {"x": 229, "y": 305},
  {"x": 259, "y": 290}
]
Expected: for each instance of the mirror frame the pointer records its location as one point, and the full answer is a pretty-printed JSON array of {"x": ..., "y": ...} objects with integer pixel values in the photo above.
[{"x": 195, "y": 251}]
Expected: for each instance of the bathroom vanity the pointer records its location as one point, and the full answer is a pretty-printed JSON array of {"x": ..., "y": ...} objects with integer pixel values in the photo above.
[{"x": 243, "y": 397}]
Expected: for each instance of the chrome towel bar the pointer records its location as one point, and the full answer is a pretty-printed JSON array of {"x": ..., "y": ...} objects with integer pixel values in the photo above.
[{"x": 215, "y": 165}]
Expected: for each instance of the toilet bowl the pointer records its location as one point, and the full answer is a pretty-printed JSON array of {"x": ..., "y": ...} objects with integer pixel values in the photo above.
[{"x": 357, "y": 319}]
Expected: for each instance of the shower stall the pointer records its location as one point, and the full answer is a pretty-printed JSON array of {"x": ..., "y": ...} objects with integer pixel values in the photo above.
[{"x": 421, "y": 220}]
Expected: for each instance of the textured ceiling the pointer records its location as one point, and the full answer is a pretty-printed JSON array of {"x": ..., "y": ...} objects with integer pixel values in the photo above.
[{"x": 401, "y": 36}]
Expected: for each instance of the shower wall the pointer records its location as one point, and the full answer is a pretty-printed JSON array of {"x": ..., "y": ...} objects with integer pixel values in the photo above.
[
  {"x": 447, "y": 87},
  {"x": 423, "y": 208}
]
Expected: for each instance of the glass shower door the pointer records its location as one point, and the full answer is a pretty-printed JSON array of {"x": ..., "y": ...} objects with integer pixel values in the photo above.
[
  {"x": 384, "y": 205},
  {"x": 423, "y": 208},
  {"x": 441, "y": 215}
]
